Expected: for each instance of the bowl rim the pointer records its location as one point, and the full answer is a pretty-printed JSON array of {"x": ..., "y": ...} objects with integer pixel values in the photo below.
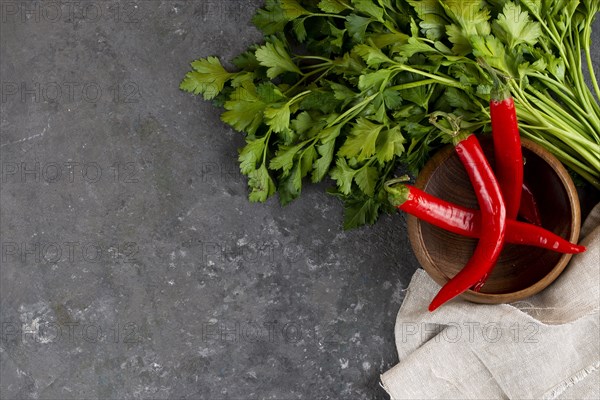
[{"x": 416, "y": 237}]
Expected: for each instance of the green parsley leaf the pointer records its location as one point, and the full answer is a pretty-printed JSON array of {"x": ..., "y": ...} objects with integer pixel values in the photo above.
[
  {"x": 431, "y": 14},
  {"x": 342, "y": 92},
  {"x": 292, "y": 9},
  {"x": 374, "y": 80},
  {"x": 302, "y": 123},
  {"x": 382, "y": 40},
  {"x": 244, "y": 109},
  {"x": 357, "y": 26},
  {"x": 322, "y": 164},
  {"x": 556, "y": 66},
  {"x": 368, "y": 7},
  {"x": 299, "y": 29},
  {"x": 285, "y": 158},
  {"x": 413, "y": 46},
  {"x": 419, "y": 95},
  {"x": 271, "y": 19},
  {"x": 287, "y": 136},
  {"x": 247, "y": 60},
  {"x": 366, "y": 179},
  {"x": 491, "y": 49},
  {"x": 343, "y": 174},
  {"x": 389, "y": 144},
  {"x": 269, "y": 93},
  {"x": 361, "y": 141},
  {"x": 392, "y": 99},
  {"x": 320, "y": 100},
  {"x": 372, "y": 55},
  {"x": 457, "y": 98},
  {"x": 470, "y": 15},
  {"x": 278, "y": 118},
  {"x": 333, "y": 6},
  {"x": 533, "y": 5},
  {"x": 242, "y": 78},
  {"x": 208, "y": 78},
  {"x": 261, "y": 184},
  {"x": 360, "y": 211},
  {"x": 251, "y": 154},
  {"x": 461, "y": 42},
  {"x": 330, "y": 133},
  {"x": 337, "y": 36},
  {"x": 290, "y": 186},
  {"x": 275, "y": 56},
  {"x": 308, "y": 157},
  {"x": 514, "y": 26}
]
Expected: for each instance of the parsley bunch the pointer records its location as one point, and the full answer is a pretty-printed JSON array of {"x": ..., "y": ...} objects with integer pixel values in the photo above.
[{"x": 344, "y": 88}]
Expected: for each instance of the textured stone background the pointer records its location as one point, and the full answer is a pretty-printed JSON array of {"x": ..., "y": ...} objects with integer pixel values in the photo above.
[{"x": 133, "y": 265}]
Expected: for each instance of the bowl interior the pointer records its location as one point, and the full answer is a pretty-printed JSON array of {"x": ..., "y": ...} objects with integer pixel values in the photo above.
[{"x": 443, "y": 254}]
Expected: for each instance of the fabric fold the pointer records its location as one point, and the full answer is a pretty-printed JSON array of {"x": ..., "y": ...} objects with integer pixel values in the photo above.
[{"x": 547, "y": 346}]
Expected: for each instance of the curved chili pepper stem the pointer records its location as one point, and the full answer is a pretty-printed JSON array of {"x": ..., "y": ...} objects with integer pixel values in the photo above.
[
  {"x": 399, "y": 193},
  {"x": 500, "y": 90},
  {"x": 393, "y": 181},
  {"x": 455, "y": 133},
  {"x": 453, "y": 120}
]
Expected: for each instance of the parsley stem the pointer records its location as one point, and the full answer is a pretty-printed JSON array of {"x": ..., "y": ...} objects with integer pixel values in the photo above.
[
  {"x": 266, "y": 139},
  {"x": 557, "y": 127},
  {"x": 576, "y": 82},
  {"x": 345, "y": 4},
  {"x": 324, "y": 65},
  {"x": 360, "y": 106},
  {"x": 309, "y": 74},
  {"x": 562, "y": 91},
  {"x": 297, "y": 97},
  {"x": 580, "y": 148},
  {"x": 582, "y": 125},
  {"x": 565, "y": 157},
  {"x": 561, "y": 151},
  {"x": 327, "y": 60},
  {"x": 325, "y": 15},
  {"x": 588, "y": 56},
  {"x": 550, "y": 32},
  {"x": 588, "y": 93},
  {"x": 391, "y": 28},
  {"x": 554, "y": 125},
  {"x": 414, "y": 84},
  {"x": 439, "y": 79},
  {"x": 583, "y": 89}
]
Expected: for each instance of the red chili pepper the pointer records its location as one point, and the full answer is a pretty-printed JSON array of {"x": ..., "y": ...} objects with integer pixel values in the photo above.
[
  {"x": 467, "y": 222},
  {"x": 529, "y": 210},
  {"x": 507, "y": 148},
  {"x": 493, "y": 213}
]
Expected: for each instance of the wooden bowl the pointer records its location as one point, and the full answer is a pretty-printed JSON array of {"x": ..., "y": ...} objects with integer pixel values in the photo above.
[{"x": 521, "y": 271}]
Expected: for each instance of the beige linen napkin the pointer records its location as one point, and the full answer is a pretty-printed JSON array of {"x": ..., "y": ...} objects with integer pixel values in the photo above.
[{"x": 547, "y": 347}]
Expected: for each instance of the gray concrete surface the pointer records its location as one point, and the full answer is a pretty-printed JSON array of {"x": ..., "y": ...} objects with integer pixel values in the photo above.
[
  {"x": 133, "y": 265},
  {"x": 143, "y": 269}
]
